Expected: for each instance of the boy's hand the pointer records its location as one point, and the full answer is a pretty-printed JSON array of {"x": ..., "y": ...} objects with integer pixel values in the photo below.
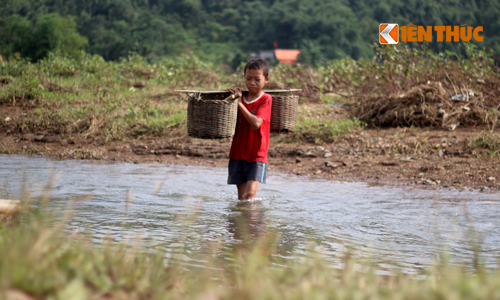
[
  {"x": 235, "y": 90},
  {"x": 235, "y": 93}
]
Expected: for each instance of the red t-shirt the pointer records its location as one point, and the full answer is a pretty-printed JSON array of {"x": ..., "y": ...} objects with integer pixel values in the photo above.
[{"x": 250, "y": 144}]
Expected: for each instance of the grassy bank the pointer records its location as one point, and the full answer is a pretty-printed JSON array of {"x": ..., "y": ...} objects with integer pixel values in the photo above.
[
  {"x": 92, "y": 100},
  {"x": 42, "y": 260}
]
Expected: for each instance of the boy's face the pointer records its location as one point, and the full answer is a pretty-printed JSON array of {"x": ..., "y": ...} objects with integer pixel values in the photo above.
[{"x": 255, "y": 80}]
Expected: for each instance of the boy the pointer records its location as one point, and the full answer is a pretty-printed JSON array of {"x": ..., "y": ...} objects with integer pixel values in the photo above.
[{"x": 248, "y": 154}]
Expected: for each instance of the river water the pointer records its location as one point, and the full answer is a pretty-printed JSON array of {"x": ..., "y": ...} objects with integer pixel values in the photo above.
[{"x": 404, "y": 227}]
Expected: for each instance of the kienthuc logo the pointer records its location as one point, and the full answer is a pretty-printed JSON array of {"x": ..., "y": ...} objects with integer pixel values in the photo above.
[{"x": 389, "y": 33}]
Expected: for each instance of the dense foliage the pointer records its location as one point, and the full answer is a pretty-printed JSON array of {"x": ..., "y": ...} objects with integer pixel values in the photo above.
[{"x": 226, "y": 31}]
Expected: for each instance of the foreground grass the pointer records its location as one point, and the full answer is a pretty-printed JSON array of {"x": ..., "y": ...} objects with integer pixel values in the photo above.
[{"x": 42, "y": 260}]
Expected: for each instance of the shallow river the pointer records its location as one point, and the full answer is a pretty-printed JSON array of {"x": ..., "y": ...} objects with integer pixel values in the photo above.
[{"x": 403, "y": 226}]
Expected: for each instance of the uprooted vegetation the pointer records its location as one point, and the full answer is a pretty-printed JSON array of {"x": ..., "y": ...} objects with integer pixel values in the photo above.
[
  {"x": 404, "y": 87},
  {"x": 410, "y": 87}
]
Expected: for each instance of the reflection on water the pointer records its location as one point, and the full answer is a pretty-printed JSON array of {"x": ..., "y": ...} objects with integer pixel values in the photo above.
[
  {"x": 249, "y": 226},
  {"x": 399, "y": 224},
  {"x": 247, "y": 223}
]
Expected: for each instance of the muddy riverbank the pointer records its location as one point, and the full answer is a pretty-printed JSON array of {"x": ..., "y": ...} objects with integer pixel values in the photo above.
[{"x": 436, "y": 158}]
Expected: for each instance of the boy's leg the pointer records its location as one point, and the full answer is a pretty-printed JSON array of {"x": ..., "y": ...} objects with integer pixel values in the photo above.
[
  {"x": 251, "y": 172},
  {"x": 250, "y": 189},
  {"x": 241, "y": 190},
  {"x": 255, "y": 172},
  {"x": 237, "y": 176}
]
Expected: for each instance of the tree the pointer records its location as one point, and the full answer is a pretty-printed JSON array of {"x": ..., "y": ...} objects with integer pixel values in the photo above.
[
  {"x": 219, "y": 29},
  {"x": 34, "y": 40}
]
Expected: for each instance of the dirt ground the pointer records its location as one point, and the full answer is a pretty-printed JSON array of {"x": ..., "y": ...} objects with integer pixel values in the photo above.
[{"x": 430, "y": 157}]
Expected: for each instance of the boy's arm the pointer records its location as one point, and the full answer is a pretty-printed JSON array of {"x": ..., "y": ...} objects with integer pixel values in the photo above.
[{"x": 254, "y": 121}]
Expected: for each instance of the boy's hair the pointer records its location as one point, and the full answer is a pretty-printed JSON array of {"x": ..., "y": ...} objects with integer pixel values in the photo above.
[{"x": 257, "y": 64}]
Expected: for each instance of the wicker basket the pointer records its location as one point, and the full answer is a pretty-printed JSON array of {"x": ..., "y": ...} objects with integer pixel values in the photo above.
[
  {"x": 284, "y": 112},
  {"x": 210, "y": 116}
]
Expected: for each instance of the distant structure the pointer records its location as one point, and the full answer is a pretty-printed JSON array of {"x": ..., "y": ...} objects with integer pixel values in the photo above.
[
  {"x": 284, "y": 56},
  {"x": 287, "y": 56}
]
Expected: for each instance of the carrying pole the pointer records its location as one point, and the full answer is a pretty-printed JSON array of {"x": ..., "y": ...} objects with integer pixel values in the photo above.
[{"x": 217, "y": 92}]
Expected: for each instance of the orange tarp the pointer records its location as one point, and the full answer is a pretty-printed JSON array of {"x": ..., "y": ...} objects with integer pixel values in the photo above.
[{"x": 287, "y": 56}]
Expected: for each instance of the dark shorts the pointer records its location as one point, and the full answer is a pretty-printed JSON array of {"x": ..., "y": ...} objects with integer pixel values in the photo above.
[{"x": 241, "y": 171}]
